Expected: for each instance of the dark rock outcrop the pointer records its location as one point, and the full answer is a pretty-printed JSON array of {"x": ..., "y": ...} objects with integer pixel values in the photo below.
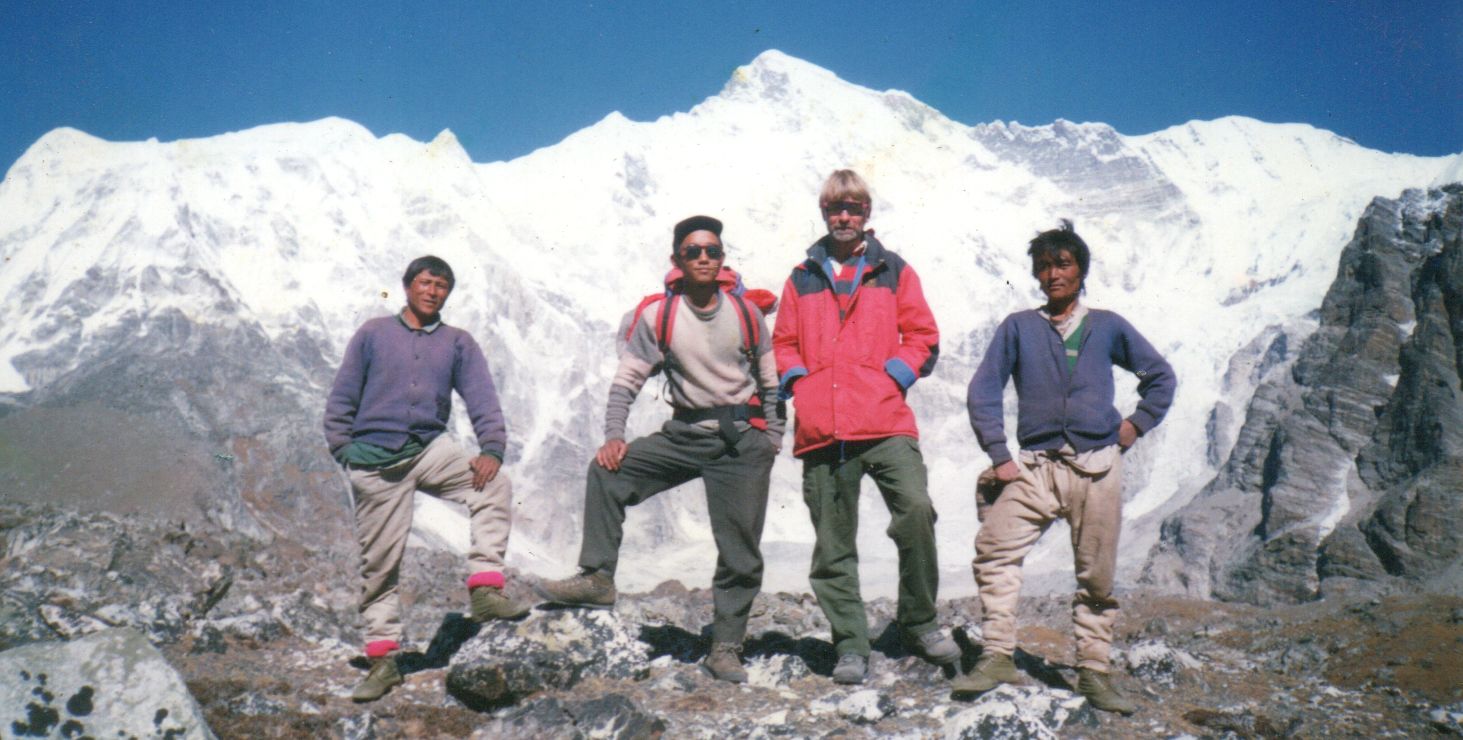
[
  {"x": 553, "y": 649},
  {"x": 1350, "y": 462},
  {"x": 610, "y": 716}
]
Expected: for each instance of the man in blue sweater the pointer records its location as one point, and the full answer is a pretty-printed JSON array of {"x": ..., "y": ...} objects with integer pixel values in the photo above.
[
  {"x": 384, "y": 421},
  {"x": 1072, "y": 439}
]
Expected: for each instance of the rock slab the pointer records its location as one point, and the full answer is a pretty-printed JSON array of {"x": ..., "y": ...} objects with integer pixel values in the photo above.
[
  {"x": 551, "y": 649},
  {"x": 112, "y": 683}
]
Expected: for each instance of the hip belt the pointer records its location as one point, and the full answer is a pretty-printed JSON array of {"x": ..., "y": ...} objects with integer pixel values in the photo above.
[{"x": 726, "y": 418}]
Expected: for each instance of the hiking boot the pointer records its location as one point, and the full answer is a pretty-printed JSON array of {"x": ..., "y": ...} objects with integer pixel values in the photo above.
[
  {"x": 489, "y": 602},
  {"x": 593, "y": 589},
  {"x": 851, "y": 668},
  {"x": 934, "y": 646},
  {"x": 383, "y": 676},
  {"x": 1101, "y": 693},
  {"x": 992, "y": 670},
  {"x": 724, "y": 662}
]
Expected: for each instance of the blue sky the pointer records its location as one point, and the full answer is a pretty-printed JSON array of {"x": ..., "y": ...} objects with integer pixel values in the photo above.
[{"x": 508, "y": 78}]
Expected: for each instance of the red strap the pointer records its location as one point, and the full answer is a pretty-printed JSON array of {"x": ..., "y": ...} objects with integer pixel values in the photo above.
[
  {"x": 749, "y": 327},
  {"x": 665, "y": 327},
  {"x": 759, "y": 416},
  {"x": 667, "y": 323},
  {"x": 640, "y": 309}
]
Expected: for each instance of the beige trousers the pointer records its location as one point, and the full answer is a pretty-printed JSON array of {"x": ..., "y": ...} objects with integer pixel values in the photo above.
[
  {"x": 1087, "y": 492},
  {"x": 383, "y": 503}
]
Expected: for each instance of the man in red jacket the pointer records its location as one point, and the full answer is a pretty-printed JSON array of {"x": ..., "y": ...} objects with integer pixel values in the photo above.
[{"x": 853, "y": 333}]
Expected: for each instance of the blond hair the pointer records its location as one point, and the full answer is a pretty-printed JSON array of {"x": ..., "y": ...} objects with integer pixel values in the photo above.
[{"x": 845, "y": 185}]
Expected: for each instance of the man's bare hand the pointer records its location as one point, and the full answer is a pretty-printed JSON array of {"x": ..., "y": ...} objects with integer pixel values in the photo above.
[
  {"x": 611, "y": 453},
  {"x": 1007, "y": 471},
  {"x": 484, "y": 469},
  {"x": 1127, "y": 434}
]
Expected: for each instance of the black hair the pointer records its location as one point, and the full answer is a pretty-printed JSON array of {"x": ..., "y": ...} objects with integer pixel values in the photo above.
[
  {"x": 1052, "y": 242},
  {"x": 690, "y": 225},
  {"x": 434, "y": 265}
]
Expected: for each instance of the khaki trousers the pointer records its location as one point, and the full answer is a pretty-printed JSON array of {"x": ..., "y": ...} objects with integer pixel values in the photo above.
[
  {"x": 383, "y": 504},
  {"x": 1052, "y": 486}
]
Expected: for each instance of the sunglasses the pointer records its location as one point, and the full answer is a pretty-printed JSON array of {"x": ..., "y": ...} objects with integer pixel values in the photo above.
[
  {"x": 853, "y": 207},
  {"x": 694, "y": 253}
]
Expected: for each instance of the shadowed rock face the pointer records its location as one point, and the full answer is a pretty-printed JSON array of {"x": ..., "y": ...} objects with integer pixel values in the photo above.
[
  {"x": 184, "y": 419},
  {"x": 1350, "y": 461}
]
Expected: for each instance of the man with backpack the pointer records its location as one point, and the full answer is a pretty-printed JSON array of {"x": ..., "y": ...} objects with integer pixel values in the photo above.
[
  {"x": 853, "y": 333},
  {"x": 712, "y": 344}
]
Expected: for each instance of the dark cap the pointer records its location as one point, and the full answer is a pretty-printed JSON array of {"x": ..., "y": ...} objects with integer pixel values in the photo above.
[{"x": 695, "y": 223}]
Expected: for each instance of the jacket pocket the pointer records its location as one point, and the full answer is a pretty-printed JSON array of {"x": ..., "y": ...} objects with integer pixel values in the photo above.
[
  {"x": 871, "y": 404},
  {"x": 812, "y": 401}
]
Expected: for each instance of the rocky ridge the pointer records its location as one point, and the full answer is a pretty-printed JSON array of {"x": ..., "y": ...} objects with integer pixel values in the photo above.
[
  {"x": 266, "y": 643},
  {"x": 1349, "y": 464}
]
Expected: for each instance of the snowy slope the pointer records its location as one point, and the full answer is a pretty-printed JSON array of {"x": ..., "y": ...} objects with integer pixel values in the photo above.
[{"x": 1203, "y": 235}]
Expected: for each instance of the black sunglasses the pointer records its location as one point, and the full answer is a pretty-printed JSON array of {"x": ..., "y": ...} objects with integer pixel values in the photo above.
[
  {"x": 694, "y": 252},
  {"x": 853, "y": 207}
]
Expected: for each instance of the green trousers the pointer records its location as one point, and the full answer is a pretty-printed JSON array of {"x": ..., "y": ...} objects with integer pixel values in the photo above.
[
  {"x": 831, "y": 478},
  {"x": 736, "y": 499}
]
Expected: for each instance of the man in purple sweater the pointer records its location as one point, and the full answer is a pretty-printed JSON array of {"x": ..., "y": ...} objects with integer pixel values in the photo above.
[
  {"x": 384, "y": 421},
  {"x": 1072, "y": 439}
]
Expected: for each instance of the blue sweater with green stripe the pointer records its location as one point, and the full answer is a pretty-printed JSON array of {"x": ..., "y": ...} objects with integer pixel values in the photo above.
[{"x": 1058, "y": 406}]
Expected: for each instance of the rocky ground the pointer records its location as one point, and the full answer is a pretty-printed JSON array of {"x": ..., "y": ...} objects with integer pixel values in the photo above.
[{"x": 265, "y": 638}]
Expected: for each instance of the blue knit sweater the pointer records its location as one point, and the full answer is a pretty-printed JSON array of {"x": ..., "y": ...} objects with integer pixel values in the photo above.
[
  {"x": 1056, "y": 406},
  {"x": 396, "y": 382}
]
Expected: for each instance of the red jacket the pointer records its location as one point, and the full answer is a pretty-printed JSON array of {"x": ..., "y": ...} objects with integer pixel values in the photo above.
[{"x": 852, "y": 371}]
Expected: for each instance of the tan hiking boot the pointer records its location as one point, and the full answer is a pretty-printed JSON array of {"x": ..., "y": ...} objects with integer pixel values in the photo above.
[
  {"x": 592, "y": 589},
  {"x": 992, "y": 670},
  {"x": 724, "y": 662},
  {"x": 489, "y": 602},
  {"x": 383, "y": 676},
  {"x": 1101, "y": 693}
]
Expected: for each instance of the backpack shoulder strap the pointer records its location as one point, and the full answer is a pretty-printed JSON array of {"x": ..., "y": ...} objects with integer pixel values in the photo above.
[
  {"x": 645, "y": 303},
  {"x": 750, "y": 336},
  {"x": 667, "y": 323}
]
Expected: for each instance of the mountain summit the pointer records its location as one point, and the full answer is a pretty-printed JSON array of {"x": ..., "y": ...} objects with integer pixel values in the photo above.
[{"x": 199, "y": 293}]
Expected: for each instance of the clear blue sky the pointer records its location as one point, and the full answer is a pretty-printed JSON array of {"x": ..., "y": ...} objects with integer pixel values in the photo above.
[{"x": 509, "y": 77}]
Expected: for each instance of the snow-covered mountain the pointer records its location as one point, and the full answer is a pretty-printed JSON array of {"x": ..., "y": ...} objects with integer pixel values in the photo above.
[{"x": 202, "y": 291}]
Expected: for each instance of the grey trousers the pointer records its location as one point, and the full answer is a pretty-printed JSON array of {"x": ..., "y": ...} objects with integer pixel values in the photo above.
[{"x": 736, "y": 499}]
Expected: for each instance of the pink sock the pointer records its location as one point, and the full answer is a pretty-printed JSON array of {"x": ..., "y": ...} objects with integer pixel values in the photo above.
[
  {"x": 486, "y": 578},
  {"x": 381, "y": 648}
]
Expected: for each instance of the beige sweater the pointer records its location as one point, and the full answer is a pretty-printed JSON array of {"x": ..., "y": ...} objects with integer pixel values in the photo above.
[{"x": 710, "y": 368}]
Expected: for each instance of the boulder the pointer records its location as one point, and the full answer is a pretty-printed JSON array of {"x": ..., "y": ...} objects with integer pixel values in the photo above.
[
  {"x": 551, "y": 649},
  {"x": 608, "y": 716},
  {"x": 111, "y": 683},
  {"x": 1020, "y": 712}
]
